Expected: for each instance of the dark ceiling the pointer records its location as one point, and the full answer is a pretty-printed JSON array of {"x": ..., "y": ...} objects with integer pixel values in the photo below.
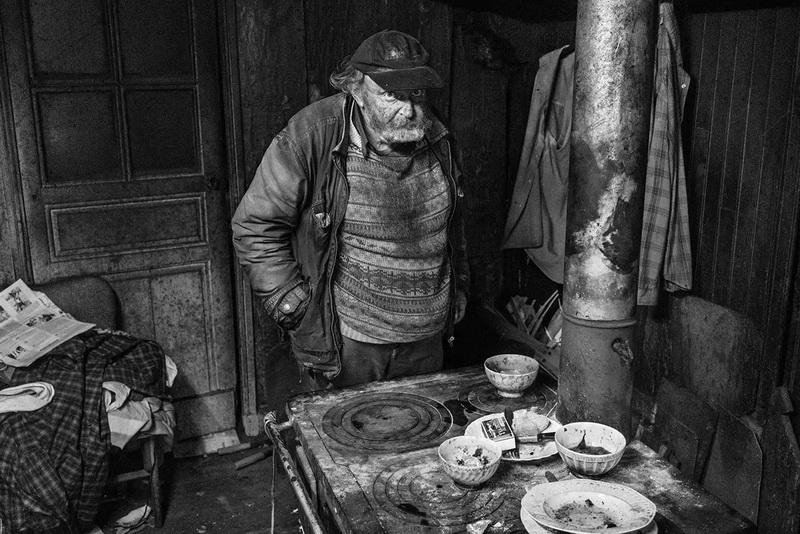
[{"x": 542, "y": 10}]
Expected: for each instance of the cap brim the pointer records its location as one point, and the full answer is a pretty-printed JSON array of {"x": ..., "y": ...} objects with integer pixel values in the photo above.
[{"x": 422, "y": 77}]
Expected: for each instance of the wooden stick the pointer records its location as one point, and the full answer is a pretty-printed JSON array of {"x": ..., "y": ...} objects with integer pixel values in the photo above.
[
  {"x": 507, "y": 330},
  {"x": 519, "y": 318},
  {"x": 249, "y": 460},
  {"x": 234, "y": 448},
  {"x": 542, "y": 311}
]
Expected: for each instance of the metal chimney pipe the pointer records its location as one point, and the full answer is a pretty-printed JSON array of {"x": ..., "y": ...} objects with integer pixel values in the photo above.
[{"x": 614, "y": 47}]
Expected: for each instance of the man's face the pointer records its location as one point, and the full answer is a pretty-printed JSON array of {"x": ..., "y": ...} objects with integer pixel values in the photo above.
[{"x": 394, "y": 117}]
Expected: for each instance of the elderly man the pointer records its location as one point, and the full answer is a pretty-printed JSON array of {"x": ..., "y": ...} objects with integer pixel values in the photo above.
[{"x": 351, "y": 232}]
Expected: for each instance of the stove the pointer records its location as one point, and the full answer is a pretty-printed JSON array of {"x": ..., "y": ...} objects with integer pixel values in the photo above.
[
  {"x": 375, "y": 446},
  {"x": 369, "y": 457}
]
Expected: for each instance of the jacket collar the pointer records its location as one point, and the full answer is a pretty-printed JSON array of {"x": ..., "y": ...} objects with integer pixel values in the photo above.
[{"x": 348, "y": 102}]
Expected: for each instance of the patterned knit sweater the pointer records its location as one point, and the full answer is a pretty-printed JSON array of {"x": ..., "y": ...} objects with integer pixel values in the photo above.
[{"x": 392, "y": 280}]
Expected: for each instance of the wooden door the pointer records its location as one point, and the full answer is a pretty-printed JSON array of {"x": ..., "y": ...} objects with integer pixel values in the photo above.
[{"x": 117, "y": 113}]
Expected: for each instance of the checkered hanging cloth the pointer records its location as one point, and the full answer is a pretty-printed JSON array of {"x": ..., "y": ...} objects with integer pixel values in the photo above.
[{"x": 666, "y": 252}]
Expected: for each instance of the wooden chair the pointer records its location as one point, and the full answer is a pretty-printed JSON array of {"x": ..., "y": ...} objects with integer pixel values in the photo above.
[
  {"x": 88, "y": 298},
  {"x": 92, "y": 299}
]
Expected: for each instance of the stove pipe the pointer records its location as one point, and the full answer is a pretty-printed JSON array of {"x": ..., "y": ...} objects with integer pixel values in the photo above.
[{"x": 614, "y": 46}]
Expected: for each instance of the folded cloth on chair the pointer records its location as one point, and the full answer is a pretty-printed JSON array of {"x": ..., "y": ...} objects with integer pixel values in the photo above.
[
  {"x": 54, "y": 461},
  {"x": 115, "y": 394},
  {"x": 26, "y": 397},
  {"x": 131, "y": 418}
]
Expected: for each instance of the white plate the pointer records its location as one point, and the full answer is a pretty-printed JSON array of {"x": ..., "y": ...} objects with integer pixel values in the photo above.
[
  {"x": 527, "y": 451},
  {"x": 533, "y": 527},
  {"x": 584, "y": 506}
]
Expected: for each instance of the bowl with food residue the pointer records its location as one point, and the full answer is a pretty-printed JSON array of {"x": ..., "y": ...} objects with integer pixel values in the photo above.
[
  {"x": 511, "y": 374},
  {"x": 590, "y": 448},
  {"x": 469, "y": 460}
]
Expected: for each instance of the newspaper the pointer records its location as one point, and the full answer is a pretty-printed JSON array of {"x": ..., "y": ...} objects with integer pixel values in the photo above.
[{"x": 31, "y": 325}]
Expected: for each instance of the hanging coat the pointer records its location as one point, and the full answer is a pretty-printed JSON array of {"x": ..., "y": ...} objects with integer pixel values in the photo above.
[
  {"x": 666, "y": 252},
  {"x": 537, "y": 215}
]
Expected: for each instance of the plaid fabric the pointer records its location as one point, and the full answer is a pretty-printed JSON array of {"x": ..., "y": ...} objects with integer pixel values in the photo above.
[
  {"x": 666, "y": 250},
  {"x": 53, "y": 462}
]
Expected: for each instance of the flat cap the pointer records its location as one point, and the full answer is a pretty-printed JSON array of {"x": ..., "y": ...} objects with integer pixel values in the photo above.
[{"x": 396, "y": 61}]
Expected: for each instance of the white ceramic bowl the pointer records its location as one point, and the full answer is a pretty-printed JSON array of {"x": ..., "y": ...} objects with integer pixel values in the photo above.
[
  {"x": 568, "y": 438},
  {"x": 511, "y": 374},
  {"x": 469, "y": 460}
]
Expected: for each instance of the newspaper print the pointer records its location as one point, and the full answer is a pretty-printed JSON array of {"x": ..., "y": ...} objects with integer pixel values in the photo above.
[{"x": 31, "y": 325}]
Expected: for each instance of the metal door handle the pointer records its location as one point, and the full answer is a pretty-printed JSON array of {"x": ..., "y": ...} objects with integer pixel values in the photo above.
[{"x": 215, "y": 183}]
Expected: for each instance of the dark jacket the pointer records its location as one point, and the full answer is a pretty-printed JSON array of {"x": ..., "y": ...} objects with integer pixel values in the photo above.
[{"x": 285, "y": 230}]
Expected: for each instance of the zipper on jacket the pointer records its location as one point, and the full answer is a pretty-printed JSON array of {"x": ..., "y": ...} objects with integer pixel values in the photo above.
[
  {"x": 332, "y": 216},
  {"x": 456, "y": 192},
  {"x": 335, "y": 332}
]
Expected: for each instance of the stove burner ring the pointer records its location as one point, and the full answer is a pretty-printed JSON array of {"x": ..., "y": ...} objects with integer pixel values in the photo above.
[
  {"x": 423, "y": 494},
  {"x": 483, "y": 396},
  {"x": 387, "y": 421}
]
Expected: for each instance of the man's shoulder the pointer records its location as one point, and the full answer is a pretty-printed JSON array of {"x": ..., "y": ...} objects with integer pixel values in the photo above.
[
  {"x": 324, "y": 114},
  {"x": 437, "y": 132}
]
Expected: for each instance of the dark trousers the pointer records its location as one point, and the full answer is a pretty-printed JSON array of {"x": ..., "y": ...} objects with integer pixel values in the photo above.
[{"x": 368, "y": 362}]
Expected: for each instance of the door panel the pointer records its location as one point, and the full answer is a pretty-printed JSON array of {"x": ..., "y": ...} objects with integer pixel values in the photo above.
[{"x": 118, "y": 127}]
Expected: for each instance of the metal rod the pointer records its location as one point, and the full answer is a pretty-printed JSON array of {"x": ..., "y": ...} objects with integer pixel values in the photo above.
[
  {"x": 614, "y": 47},
  {"x": 308, "y": 471},
  {"x": 274, "y": 431}
]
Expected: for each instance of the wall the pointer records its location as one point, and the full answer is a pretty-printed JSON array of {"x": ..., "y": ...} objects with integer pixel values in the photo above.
[
  {"x": 743, "y": 175},
  {"x": 743, "y": 171},
  {"x": 13, "y": 265},
  {"x": 495, "y": 59}
]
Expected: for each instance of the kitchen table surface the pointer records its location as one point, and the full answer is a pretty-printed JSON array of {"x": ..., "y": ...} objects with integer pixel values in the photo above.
[{"x": 373, "y": 452}]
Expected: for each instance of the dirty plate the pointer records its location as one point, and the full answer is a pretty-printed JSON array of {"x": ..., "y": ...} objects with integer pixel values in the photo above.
[
  {"x": 528, "y": 452},
  {"x": 582, "y": 506},
  {"x": 532, "y": 527}
]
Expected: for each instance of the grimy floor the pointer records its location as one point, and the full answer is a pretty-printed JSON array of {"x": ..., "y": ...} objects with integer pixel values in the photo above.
[{"x": 208, "y": 495}]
